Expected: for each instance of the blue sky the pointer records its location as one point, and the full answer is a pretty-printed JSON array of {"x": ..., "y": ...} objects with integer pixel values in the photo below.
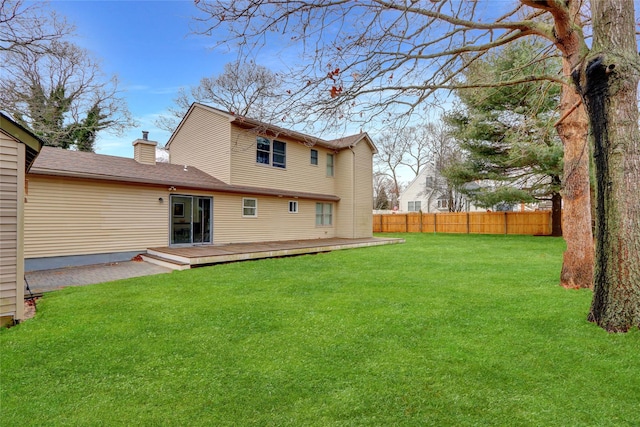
[{"x": 148, "y": 44}]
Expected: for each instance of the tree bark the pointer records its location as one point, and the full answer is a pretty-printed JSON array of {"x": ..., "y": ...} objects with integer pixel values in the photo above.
[
  {"x": 607, "y": 80},
  {"x": 578, "y": 259}
]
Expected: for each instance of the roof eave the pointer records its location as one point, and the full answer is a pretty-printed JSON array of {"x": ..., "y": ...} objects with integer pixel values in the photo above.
[
  {"x": 33, "y": 143},
  {"x": 223, "y": 188}
]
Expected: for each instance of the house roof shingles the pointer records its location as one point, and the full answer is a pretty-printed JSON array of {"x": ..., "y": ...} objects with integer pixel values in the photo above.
[{"x": 78, "y": 164}]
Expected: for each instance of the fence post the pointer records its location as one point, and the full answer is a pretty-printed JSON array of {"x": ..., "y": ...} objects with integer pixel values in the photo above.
[
  {"x": 468, "y": 225},
  {"x": 435, "y": 223},
  {"x": 506, "y": 229},
  {"x": 420, "y": 221}
]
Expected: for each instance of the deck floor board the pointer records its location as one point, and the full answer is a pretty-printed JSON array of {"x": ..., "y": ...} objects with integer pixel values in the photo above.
[{"x": 212, "y": 254}]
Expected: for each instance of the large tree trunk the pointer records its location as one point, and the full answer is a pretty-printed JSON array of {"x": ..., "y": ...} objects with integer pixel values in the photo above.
[
  {"x": 556, "y": 214},
  {"x": 578, "y": 259},
  {"x": 608, "y": 81}
]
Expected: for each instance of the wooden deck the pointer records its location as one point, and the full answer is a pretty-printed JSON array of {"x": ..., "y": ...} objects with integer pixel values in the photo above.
[{"x": 182, "y": 258}]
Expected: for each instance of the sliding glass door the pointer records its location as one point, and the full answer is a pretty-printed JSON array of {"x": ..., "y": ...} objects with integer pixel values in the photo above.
[{"x": 191, "y": 220}]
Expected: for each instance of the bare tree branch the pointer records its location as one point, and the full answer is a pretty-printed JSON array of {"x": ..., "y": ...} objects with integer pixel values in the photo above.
[
  {"x": 30, "y": 26},
  {"x": 51, "y": 92},
  {"x": 368, "y": 59}
]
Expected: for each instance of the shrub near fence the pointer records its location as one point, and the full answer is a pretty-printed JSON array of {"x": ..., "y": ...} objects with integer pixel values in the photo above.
[{"x": 532, "y": 223}]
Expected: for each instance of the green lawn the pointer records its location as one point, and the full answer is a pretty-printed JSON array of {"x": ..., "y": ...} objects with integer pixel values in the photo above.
[{"x": 445, "y": 330}]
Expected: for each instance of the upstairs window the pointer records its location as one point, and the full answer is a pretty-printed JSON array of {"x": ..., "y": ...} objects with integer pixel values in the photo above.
[
  {"x": 293, "y": 206},
  {"x": 329, "y": 164},
  {"x": 431, "y": 182},
  {"x": 414, "y": 206},
  {"x": 314, "y": 157},
  {"x": 271, "y": 153},
  {"x": 263, "y": 154},
  {"x": 279, "y": 154}
]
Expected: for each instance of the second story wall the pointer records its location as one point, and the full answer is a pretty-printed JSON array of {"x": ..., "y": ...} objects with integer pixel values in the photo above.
[
  {"x": 203, "y": 141},
  {"x": 364, "y": 191},
  {"x": 355, "y": 189},
  {"x": 297, "y": 175},
  {"x": 345, "y": 162}
]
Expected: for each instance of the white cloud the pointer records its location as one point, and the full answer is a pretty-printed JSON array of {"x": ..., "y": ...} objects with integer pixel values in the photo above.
[
  {"x": 136, "y": 88},
  {"x": 166, "y": 90}
]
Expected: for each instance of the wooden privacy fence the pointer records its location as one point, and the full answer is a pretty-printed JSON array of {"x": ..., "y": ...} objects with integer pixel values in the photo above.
[{"x": 533, "y": 223}]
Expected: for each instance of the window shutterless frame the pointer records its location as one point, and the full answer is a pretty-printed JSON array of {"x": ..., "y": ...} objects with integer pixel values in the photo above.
[
  {"x": 272, "y": 153},
  {"x": 324, "y": 214},
  {"x": 263, "y": 151},
  {"x": 249, "y": 207},
  {"x": 330, "y": 168}
]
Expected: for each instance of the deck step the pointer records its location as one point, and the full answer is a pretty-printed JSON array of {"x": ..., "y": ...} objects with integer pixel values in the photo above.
[{"x": 165, "y": 262}]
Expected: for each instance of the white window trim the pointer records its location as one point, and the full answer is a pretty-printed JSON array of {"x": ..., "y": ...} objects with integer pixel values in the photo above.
[
  {"x": 249, "y": 207},
  {"x": 324, "y": 215},
  {"x": 264, "y": 151},
  {"x": 333, "y": 165},
  {"x": 295, "y": 202},
  {"x": 272, "y": 153}
]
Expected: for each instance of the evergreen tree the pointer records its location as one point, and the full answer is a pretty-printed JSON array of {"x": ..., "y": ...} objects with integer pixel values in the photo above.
[
  {"x": 507, "y": 132},
  {"x": 382, "y": 200}
]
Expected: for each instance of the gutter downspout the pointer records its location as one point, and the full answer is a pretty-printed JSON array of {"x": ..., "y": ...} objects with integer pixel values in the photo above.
[{"x": 353, "y": 191}]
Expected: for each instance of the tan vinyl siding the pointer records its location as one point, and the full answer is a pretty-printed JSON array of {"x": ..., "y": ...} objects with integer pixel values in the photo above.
[
  {"x": 11, "y": 222},
  {"x": 203, "y": 141},
  {"x": 144, "y": 152},
  {"x": 274, "y": 222},
  {"x": 77, "y": 217},
  {"x": 355, "y": 189},
  {"x": 344, "y": 217},
  {"x": 299, "y": 174},
  {"x": 363, "y": 191}
]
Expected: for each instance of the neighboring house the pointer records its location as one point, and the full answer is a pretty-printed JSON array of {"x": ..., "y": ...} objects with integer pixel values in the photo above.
[
  {"x": 18, "y": 149},
  {"x": 229, "y": 179},
  {"x": 427, "y": 193}
]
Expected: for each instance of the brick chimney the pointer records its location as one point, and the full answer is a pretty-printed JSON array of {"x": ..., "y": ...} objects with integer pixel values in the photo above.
[{"x": 144, "y": 151}]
